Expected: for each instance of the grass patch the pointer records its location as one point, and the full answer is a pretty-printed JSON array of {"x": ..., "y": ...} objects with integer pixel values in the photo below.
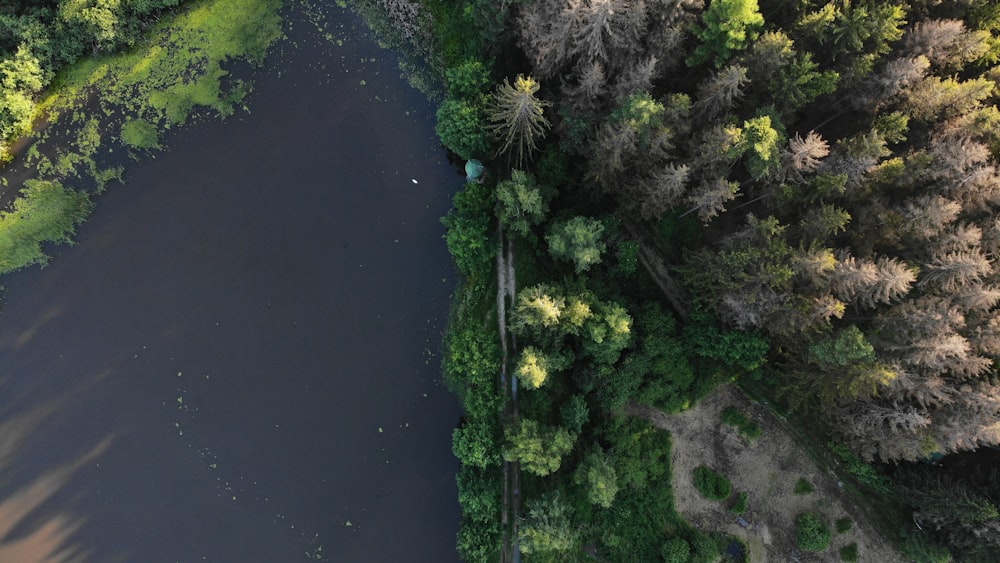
[
  {"x": 712, "y": 485},
  {"x": 746, "y": 427},
  {"x": 843, "y": 525},
  {"x": 803, "y": 487}
]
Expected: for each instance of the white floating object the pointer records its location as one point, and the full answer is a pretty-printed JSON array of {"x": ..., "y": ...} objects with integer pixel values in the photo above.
[{"x": 414, "y": 180}]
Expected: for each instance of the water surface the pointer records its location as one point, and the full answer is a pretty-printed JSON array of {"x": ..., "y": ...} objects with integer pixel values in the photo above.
[{"x": 239, "y": 360}]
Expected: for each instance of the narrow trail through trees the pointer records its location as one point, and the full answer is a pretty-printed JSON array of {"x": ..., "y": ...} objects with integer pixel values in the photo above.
[{"x": 506, "y": 290}]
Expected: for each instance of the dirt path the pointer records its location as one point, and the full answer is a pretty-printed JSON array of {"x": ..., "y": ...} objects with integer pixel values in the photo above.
[
  {"x": 506, "y": 290},
  {"x": 767, "y": 469}
]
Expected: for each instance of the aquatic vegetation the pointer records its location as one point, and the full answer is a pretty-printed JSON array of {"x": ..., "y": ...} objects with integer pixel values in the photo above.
[{"x": 46, "y": 212}]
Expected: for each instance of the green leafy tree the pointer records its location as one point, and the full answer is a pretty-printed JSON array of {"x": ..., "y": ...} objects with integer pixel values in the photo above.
[
  {"x": 574, "y": 414},
  {"x": 547, "y": 529},
  {"x": 538, "y": 310},
  {"x": 478, "y": 539},
  {"x": 468, "y": 236},
  {"x": 607, "y": 333},
  {"x": 599, "y": 478},
  {"x": 728, "y": 26},
  {"x": 539, "y": 449},
  {"x": 578, "y": 240},
  {"x": 477, "y": 443},
  {"x": 479, "y": 493},
  {"x": 523, "y": 203},
  {"x": 517, "y": 118},
  {"x": 841, "y": 366},
  {"x": 471, "y": 364},
  {"x": 469, "y": 80},
  {"x": 760, "y": 143},
  {"x": 463, "y": 127},
  {"x": 534, "y": 366}
]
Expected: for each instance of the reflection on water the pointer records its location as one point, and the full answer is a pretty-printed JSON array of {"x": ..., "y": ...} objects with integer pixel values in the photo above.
[
  {"x": 28, "y": 334},
  {"x": 27, "y": 533}
]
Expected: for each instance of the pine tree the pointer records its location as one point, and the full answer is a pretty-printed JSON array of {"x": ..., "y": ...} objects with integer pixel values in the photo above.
[
  {"x": 662, "y": 191},
  {"x": 518, "y": 119},
  {"x": 718, "y": 95},
  {"x": 953, "y": 270},
  {"x": 946, "y": 43},
  {"x": 803, "y": 155},
  {"x": 710, "y": 198}
]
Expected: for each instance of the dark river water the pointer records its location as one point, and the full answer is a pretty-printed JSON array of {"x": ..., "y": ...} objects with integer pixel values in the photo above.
[{"x": 239, "y": 361}]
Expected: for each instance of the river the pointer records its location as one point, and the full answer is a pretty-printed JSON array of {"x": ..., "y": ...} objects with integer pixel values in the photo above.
[{"x": 239, "y": 360}]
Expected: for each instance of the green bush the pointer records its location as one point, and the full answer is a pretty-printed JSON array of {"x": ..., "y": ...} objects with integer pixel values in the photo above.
[
  {"x": 849, "y": 552},
  {"x": 705, "y": 548},
  {"x": 733, "y": 417},
  {"x": 803, "y": 487},
  {"x": 676, "y": 550},
  {"x": 743, "y": 349},
  {"x": 865, "y": 473},
  {"x": 746, "y": 427},
  {"x": 740, "y": 506},
  {"x": 463, "y": 128},
  {"x": 711, "y": 484},
  {"x": 843, "y": 525},
  {"x": 811, "y": 533},
  {"x": 468, "y": 236}
]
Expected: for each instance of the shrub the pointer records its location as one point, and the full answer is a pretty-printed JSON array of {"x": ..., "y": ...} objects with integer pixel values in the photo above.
[
  {"x": 740, "y": 506},
  {"x": 843, "y": 525},
  {"x": 462, "y": 127},
  {"x": 711, "y": 484},
  {"x": 803, "y": 487},
  {"x": 676, "y": 550},
  {"x": 849, "y": 552},
  {"x": 747, "y": 428},
  {"x": 705, "y": 548},
  {"x": 469, "y": 235},
  {"x": 733, "y": 417},
  {"x": 752, "y": 431},
  {"x": 811, "y": 533},
  {"x": 865, "y": 473}
]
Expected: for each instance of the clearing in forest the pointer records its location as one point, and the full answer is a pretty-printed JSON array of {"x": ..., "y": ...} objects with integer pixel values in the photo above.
[{"x": 768, "y": 469}]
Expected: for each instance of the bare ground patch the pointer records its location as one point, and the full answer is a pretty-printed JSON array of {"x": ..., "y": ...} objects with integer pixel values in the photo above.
[{"x": 767, "y": 469}]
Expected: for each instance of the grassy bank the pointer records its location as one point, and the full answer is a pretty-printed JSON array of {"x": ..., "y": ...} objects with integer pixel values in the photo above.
[{"x": 100, "y": 105}]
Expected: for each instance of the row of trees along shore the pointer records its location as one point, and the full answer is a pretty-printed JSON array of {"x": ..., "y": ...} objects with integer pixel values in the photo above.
[{"x": 817, "y": 183}]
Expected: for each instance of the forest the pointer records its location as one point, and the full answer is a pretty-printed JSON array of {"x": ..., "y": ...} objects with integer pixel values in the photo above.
[{"x": 797, "y": 196}]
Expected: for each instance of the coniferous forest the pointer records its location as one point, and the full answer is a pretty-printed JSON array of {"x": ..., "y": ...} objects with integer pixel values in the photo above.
[{"x": 797, "y": 196}]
